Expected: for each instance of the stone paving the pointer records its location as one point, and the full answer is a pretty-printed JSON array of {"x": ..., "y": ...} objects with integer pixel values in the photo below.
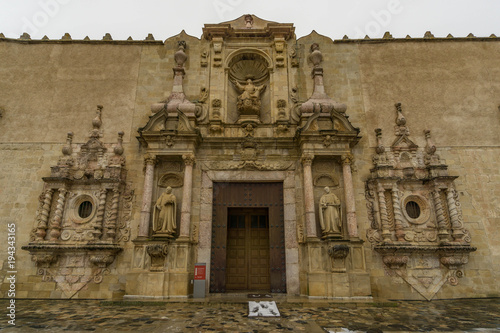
[{"x": 468, "y": 315}]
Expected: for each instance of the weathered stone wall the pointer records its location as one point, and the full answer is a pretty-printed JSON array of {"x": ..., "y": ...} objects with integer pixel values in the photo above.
[{"x": 450, "y": 87}]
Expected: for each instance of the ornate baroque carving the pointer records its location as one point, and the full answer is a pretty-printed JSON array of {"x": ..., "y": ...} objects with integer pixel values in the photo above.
[
  {"x": 414, "y": 213},
  {"x": 75, "y": 234}
]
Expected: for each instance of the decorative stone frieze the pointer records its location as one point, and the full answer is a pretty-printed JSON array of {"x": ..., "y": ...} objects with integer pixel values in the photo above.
[{"x": 414, "y": 212}]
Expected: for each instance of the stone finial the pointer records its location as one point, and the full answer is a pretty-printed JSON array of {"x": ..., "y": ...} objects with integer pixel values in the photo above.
[
  {"x": 25, "y": 36},
  {"x": 97, "y": 121},
  {"x": 428, "y": 34},
  {"x": 400, "y": 119},
  {"x": 2, "y": 35},
  {"x": 316, "y": 57},
  {"x": 130, "y": 38},
  {"x": 449, "y": 36},
  {"x": 180, "y": 56},
  {"x": 66, "y": 149},
  {"x": 367, "y": 37},
  {"x": 430, "y": 148},
  {"x": 45, "y": 37},
  {"x": 107, "y": 36},
  {"x": 493, "y": 36},
  {"x": 387, "y": 35},
  {"x": 471, "y": 35},
  {"x": 66, "y": 36},
  {"x": 408, "y": 37},
  {"x": 380, "y": 147},
  {"x": 118, "y": 150},
  {"x": 150, "y": 37},
  {"x": 86, "y": 38},
  {"x": 345, "y": 37}
]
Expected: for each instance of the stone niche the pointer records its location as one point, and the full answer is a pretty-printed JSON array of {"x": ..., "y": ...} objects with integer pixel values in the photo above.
[
  {"x": 248, "y": 90},
  {"x": 414, "y": 211},
  {"x": 84, "y": 214}
]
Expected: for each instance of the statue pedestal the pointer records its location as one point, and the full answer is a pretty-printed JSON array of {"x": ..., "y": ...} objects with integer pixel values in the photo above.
[
  {"x": 332, "y": 236},
  {"x": 249, "y": 119},
  {"x": 162, "y": 235}
]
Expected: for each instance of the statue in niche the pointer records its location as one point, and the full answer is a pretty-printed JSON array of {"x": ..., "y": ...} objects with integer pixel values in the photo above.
[
  {"x": 164, "y": 215},
  {"x": 249, "y": 100},
  {"x": 330, "y": 214}
]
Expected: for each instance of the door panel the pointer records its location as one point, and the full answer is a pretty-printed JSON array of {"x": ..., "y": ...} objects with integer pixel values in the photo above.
[
  {"x": 227, "y": 264},
  {"x": 247, "y": 249}
]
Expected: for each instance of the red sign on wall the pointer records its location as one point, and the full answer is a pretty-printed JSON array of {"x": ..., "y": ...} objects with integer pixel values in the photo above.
[{"x": 200, "y": 271}]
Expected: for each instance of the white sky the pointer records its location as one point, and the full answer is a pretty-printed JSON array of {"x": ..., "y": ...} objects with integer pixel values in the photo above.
[{"x": 165, "y": 18}]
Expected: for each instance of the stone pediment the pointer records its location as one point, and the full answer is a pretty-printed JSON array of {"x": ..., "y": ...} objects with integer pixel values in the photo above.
[{"x": 249, "y": 26}]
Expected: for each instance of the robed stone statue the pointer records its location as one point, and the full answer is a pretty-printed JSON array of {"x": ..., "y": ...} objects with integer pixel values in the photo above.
[
  {"x": 165, "y": 213},
  {"x": 330, "y": 214}
]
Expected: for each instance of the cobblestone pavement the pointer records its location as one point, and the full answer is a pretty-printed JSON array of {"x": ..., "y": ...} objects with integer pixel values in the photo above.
[{"x": 471, "y": 315}]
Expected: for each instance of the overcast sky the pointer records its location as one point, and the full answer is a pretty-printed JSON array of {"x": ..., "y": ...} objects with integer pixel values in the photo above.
[{"x": 164, "y": 18}]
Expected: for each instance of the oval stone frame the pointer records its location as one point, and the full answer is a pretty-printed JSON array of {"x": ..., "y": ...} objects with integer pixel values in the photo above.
[
  {"x": 424, "y": 206},
  {"x": 75, "y": 205}
]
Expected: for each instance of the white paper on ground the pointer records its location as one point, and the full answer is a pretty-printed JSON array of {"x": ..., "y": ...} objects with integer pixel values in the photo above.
[{"x": 263, "y": 309}]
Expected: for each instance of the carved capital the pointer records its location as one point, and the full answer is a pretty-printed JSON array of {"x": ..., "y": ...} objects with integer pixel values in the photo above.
[
  {"x": 149, "y": 160},
  {"x": 307, "y": 159},
  {"x": 188, "y": 159},
  {"x": 347, "y": 159}
]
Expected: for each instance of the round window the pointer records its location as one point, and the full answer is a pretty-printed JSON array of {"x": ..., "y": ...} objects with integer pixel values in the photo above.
[
  {"x": 413, "y": 209},
  {"x": 85, "y": 209}
]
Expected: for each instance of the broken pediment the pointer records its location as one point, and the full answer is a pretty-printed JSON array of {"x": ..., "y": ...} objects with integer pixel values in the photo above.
[{"x": 249, "y": 26}]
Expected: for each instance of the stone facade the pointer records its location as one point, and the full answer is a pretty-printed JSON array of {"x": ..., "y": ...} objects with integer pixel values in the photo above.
[{"x": 249, "y": 103}]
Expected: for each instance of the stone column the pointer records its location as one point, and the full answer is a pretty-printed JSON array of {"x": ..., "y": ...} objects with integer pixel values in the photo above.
[
  {"x": 98, "y": 224},
  {"x": 386, "y": 233},
  {"x": 186, "y": 196},
  {"x": 55, "y": 224},
  {"x": 443, "y": 233},
  {"x": 311, "y": 230},
  {"x": 398, "y": 215},
  {"x": 41, "y": 230},
  {"x": 352, "y": 224},
  {"x": 147, "y": 195},
  {"x": 455, "y": 220}
]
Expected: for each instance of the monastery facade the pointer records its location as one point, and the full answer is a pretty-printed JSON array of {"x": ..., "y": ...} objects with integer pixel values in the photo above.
[{"x": 346, "y": 169}]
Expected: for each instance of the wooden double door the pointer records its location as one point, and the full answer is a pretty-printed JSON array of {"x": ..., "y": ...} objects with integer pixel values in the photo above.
[
  {"x": 247, "y": 256},
  {"x": 248, "y": 249}
]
